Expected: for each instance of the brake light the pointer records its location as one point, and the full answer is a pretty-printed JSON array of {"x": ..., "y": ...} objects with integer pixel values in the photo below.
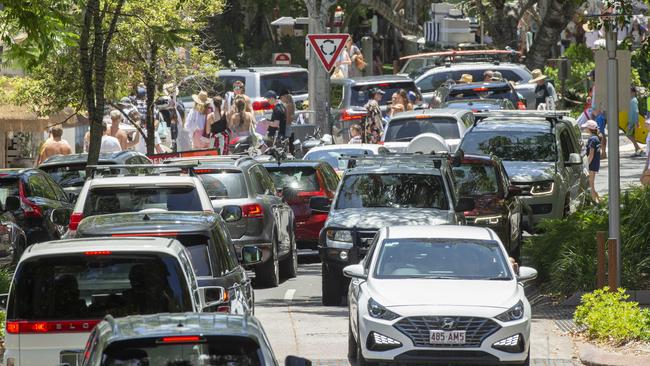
[
  {"x": 205, "y": 171},
  {"x": 480, "y": 89},
  {"x": 98, "y": 252},
  {"x": 424, "y": 116},
  {"x": 30, "y": 209},
  {"x": 520, "y": 105},
  {"x": 349, "y": 116},
  {"x": 181, "y": 339},
  {"x": 262, "y": 105},
  {"x": 383, "y": 85},
  {"x": 163, "y": 233},
  {"x": 65, "y": 326},
  {"x": 252, "y": 210},
  {"x": 223, "y": 309},
  {"x": 75, "y": 219}
]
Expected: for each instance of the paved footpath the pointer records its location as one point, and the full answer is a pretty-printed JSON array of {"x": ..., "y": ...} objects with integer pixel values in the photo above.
[{"x": 631, "y": 167}]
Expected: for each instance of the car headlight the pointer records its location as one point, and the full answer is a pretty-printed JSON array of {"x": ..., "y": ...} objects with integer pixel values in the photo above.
[
  {"x": 376, "y": 310},
  {"x": 488, "y": 220},
  {"x": 514, "y": 313},
  {"x": 542, "y": 188},
  {"x": 339, "y": 235}
]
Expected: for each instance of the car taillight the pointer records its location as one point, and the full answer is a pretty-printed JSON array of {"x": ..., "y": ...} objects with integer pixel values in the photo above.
[
  {"x": 75, "y": 219},
  {"x": 65, "y": 326},
  {"x": 98, "y": 252},
  {"x": 223, "y": 309},
  {"x": 348, "y": 115},
  {"x": 30, "y": 209},
  {"x": 181, "y": 339},
  {"x": 252, "y": 210},
  {"x": 520, "y": 105},
  {"x": 262, "y": 105}
]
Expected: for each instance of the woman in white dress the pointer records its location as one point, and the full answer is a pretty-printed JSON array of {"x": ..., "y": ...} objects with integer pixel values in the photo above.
[{"x": 196, "y": 120}]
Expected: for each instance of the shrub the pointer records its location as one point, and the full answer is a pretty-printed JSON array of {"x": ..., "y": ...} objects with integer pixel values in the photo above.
[
  {"x": 5, "y": 279},
  {"x": 609, "y": 317}
]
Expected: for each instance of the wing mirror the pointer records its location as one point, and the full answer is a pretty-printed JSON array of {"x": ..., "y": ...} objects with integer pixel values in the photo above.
[
  {"x": 465, "y": 204},
  {"x": 526, "y": 274},
  {"x": 251, "y": 254},
  {"x": 320, "y": 204},
  {"x": 231, "y": 213},
  {"x": 60, "y": 216},
  {"x": 355, "y": 271},
  {"x": 212, "y": 295},
  {"x": 574, "y": 159},
  {"x": 12, "y": 203},
  {"x": 296, "y": 361}
]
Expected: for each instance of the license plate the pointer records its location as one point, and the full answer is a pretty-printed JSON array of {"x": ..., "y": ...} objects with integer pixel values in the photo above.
[{"x": 447, "y": 337}]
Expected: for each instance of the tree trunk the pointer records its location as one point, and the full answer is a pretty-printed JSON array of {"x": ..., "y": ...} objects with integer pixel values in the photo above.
[
  {"x": 501, "y": 24},
  {"x": 558, "y": 15},
  {"x": 150, "y": 84}
]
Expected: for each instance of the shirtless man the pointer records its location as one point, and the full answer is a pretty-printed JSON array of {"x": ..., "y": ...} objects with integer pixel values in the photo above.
[
  {"x": 55, "y": 146},
  {"x": 116, "y": 119}
]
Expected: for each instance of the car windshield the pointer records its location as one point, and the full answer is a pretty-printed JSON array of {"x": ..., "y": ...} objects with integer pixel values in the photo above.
[
  {"x": 194, "y": 351},
  {"x": 392, "y": 190},
  {"x": 294, "y": 82},
  {"x": 299, "y": 178},
  {"x": 442, "y": 259},
  {"x": 406, "y": 129},
  {"x": 87, "y": 286},
  {"x": 511, "y": 145},
  {"x": 331, "y": 157},
  {"x": 475, "y": 179},
  {"x": 223, "y": 183},
  {"x": 109, "y": 200},
  {"x": 8, "y": 187},
  {"x": 68, "y": 175},
  {"x": 359, "y": 93}
]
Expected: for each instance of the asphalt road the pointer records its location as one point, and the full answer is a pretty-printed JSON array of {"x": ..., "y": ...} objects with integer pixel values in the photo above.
[{"x": 297, "y": 324}]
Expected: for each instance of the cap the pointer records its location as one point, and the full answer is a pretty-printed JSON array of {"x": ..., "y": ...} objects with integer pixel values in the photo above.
[{"x": 271, "y": 94}]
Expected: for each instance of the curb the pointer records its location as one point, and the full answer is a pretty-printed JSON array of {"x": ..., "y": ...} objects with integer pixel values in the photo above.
[{"x": 591, "y": 355}]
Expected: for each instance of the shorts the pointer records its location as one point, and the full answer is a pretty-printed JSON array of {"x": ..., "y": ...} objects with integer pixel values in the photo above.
[
  {"x": 594, "y": 166},
  {"x": 630, "y": 131}
]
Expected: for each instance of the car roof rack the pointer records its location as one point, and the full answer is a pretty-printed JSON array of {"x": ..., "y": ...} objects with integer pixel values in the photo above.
[
  {"x": 400, "y": 159},
  {"x": 138, "y": 170},
  {"x": 550, "y": 115},
  {"x": 208, "y": 159}
]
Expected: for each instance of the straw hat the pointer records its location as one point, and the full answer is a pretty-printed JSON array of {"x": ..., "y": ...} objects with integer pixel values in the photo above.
[
  {"x": 537, "y": 76},
  {"x": 201, "y": 98},
  {"x": 466, "y": 78},
  {"x": 587, "y": 28}
]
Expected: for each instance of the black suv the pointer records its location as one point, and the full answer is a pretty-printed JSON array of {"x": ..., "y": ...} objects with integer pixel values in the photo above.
[
  {"x": 69, "y": 171},
  {"x": 257, "y": 215},
  {"x": 206, "y": 238},
  {"x": 38, "y": 195}
]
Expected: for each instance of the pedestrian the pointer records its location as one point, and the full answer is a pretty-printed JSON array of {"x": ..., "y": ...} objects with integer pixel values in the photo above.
[
  {"x": 118, "y": 133},
  {"x": 238, "y": 88},
  {"x": 496, "y": 76},
  {"x": 601, "y": 121},
  {"x": 545, "y": 95},
  {"x": 343, "y": 62},
  {"x": 633, "y": 123},
  {"x": 373, "y": 126},
  {"x": 217, "y": 125},
  {"x": 593, "y": 156},
  {"x": 196, "y": 120},
  {"x": 54, "y": 145},
  {"x": 358, "y": 62},
  {"x": 142, "y": 141},
  {"x": 396, "y": 106},
  {"x": 466, "y": 79},
  {"x": 289, "y": 103},
  {"x": 355, "y": 134},
  {"x": 645, "y": 174},
  {"x": 109, "y": 143},
  {"x": 487, "y": 75},
  {"x": 241, "y": 122},
  {"x": 405, "y": 100},
  {"x": 278, "y": 124}
]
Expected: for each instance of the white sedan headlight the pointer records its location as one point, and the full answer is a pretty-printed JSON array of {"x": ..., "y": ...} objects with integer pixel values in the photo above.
[
  {"x": 540, "y": 188},
  {"x": 487, "y": 220},
  {"x": 339, "y": 235},
  {"x": 514, "y": 313},
  {"x": 376, "y": 310}
]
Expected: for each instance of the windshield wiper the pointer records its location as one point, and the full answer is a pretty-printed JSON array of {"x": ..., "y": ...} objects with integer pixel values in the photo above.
[{"x": 499, "y": 278}]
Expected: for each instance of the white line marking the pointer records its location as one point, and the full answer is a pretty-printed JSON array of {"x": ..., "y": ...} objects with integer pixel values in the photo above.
[{"x": 288, "y": 296}]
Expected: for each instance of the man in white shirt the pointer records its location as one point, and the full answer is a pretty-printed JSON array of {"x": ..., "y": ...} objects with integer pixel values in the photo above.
[
  {"x": 109, "y": 143},
  {"x": 142, "y": 143}
]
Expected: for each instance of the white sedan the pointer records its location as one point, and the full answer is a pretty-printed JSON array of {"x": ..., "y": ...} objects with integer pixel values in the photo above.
[{"x": 438, "y": 295}]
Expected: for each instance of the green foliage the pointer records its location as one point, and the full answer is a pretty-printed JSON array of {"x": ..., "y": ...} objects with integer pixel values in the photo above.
[
  {"x": 565, "y": 252},
  {"x": 6, "y": 275},
  {"x": 3, "y": 318},
  {"x": 609, "y": 317}
]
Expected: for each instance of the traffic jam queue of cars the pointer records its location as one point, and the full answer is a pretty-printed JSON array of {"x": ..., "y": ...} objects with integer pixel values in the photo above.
[{"x": 145, "y": 264}]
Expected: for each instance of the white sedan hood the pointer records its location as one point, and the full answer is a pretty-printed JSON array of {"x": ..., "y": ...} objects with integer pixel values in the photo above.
[
  {"x": 443, "y": 293},
  {"x": 377, "y": 218}
]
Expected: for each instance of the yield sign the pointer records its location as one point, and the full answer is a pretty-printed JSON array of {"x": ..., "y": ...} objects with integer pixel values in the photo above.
[{"x": 328, "y": 47}]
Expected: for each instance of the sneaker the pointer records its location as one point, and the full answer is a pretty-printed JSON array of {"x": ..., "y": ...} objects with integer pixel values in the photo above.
[{"x": 638, "y": 152}]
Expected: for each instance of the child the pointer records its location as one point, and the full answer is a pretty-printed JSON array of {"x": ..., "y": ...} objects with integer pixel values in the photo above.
[
  {"x": 593, "y": 154},
  {"x": 601, "y": 120}
]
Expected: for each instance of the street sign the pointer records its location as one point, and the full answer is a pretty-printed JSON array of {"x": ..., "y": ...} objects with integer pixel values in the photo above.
[
  {"x": 328, "y": 47},
  {"x": 282, "y": 58}
]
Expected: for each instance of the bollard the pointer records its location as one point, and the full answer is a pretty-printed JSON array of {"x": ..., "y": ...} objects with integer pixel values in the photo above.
[
  {"x": 611, "y": 261},
  {"x": 366, "y": 48},
  {"x": 600, "y": 264}
]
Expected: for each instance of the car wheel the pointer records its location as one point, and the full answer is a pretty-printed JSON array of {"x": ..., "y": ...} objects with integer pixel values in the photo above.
[
  {"x": 352, "y": 344},
  {"x": 332, "y": 283},
  {"x": 361, "y": 361},
  {"x": 290, "y": 264},
  {"x": 268, "y": 273}
]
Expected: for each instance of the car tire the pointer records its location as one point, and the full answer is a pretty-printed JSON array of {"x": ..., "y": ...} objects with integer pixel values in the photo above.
[
  {"x": 352, "y": 345},
  {"x": 289, "y": 265},
  {"x": 267, "y": 274},
  {"x": 361, "y": 361},
  {"x": 331, "y": 287}
]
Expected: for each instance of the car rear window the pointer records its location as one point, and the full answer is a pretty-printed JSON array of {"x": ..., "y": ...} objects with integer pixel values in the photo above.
[
  {"x": 406, "y": 129},
  {"x": 473, "y": 179},
  {"x": 434, "y": 80},
  {"x": 359, "y": 95},
  {"x": 299, "y": 178},
  {"x": 88, "y": 286},
  {"x": 191, "y": 350},
  {"x": 332, "y": 156},
  {"x": 68, "y": 175},
  {"x": 223, "y": 183},
  {"x": 8, "y": 187},
  {"x": 108, "y": 200},
  {"x": 294, "y": 82},
  {"x": 197, "y": 246}
]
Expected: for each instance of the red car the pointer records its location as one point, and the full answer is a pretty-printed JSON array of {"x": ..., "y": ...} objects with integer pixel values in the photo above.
[{"x": 309, "y": 179}]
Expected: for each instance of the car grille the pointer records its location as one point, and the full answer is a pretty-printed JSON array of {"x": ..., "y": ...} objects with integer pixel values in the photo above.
[
  {"x": 417, "y": 328},
  {"x": 364, "y": 238},
  {"x": 525, "y": 188}
]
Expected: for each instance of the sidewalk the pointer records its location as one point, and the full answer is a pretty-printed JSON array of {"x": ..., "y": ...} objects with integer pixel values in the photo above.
[{"x": 631, "y": 167}]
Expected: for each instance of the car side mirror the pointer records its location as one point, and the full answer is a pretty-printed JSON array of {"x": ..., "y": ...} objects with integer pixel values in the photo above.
[
  {"x": 514, "y": 191},
  {"x": 296, "y": 361},
  {"x": 465, "y": 204},
  {"x": 320, "y": 204},
  {"x": 289, "y": 194},
  {"x": 60, "y": 216},
  {"x": 12, "y": 203},
  {"x": 574, "y": 159},
  {"x": 251, "y": 254},
  {"x": 72, "y": 197},
  {"x": 526, "y": 274},
  {"x": 355, "y": 271},
  {"x": 211, "y": 295},
  {"x": 231, "y": 213},
  {"x": 3, "y": 301}
]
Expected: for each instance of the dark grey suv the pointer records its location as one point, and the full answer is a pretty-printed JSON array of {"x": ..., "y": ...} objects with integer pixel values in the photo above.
[{"x": 243, "y": 191}]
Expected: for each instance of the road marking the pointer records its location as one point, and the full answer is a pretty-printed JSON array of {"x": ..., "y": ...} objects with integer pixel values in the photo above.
[{"x": 288, "y": 296}]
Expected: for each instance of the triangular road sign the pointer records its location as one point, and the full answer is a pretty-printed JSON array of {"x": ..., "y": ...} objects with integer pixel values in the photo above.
[{"x": 328, "y": 47}]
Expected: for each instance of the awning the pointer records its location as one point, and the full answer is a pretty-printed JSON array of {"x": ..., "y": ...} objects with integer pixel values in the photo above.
[{"x": 21, "y": 119}]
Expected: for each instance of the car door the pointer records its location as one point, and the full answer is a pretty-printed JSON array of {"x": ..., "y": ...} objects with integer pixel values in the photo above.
[
  {"x": 232, "y": 274},
  {"x": 570, "y": 172},
  {"x": 269, "y": 201},
  {"x": 356, "y": 285},
  {"x": 42, "y": 194},
  {"x": 285, "y": 213}
]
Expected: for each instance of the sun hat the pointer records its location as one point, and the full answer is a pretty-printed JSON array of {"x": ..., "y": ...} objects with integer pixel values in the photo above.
[
  {"x": 466, "y": 78},
  {"x": 537, "y": 76},
  {"x": 271, "y": 94},
  {"x": 591, "y": 125},
  {"x": 496, "y": 76},
  {"x": 201, "y": 98}
]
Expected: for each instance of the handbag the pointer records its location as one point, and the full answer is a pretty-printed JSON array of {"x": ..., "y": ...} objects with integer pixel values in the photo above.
[
  {"x": 359, "y": 62},
  {"x": 337, "y": 74}
]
